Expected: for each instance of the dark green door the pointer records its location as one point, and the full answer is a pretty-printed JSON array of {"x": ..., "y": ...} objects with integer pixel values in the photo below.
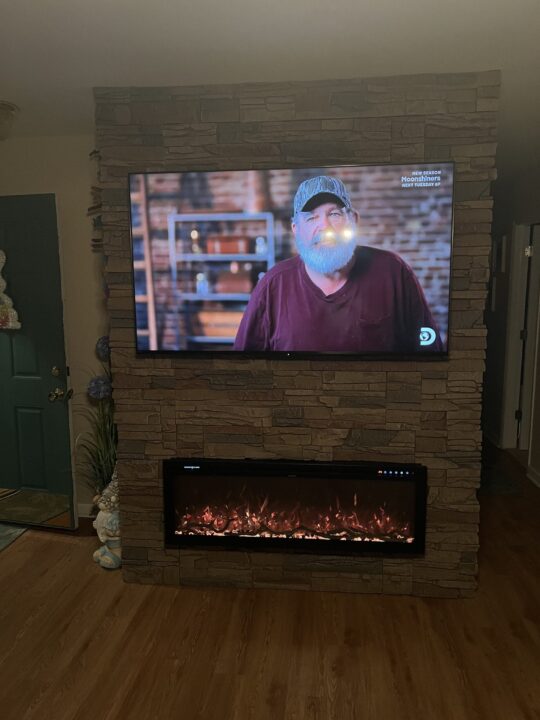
[{"x": 34, "y": 428}]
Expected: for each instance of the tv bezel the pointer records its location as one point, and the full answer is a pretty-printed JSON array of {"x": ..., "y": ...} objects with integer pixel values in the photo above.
[{"x": 423, "y": 356}]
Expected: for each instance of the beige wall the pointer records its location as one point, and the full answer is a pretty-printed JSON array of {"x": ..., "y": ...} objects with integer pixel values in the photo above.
[{"x": 61, "y": 165}]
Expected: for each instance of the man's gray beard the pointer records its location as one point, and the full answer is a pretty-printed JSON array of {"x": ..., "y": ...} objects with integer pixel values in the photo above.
[{"x": 324, "y": 259}]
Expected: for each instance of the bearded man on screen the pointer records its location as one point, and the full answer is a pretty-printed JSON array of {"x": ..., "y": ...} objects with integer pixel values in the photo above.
[{"x": 336, "y": 296}]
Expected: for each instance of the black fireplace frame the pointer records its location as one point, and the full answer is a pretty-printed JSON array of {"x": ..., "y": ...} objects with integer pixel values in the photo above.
[{"x": 366, "y": 470}]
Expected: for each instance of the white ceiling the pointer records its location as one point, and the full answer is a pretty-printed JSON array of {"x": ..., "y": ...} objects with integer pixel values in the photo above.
[{"x": 52, "y": 52}]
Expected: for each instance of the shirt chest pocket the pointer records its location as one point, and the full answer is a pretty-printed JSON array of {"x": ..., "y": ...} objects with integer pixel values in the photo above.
[{"x": 375, "y": 334}]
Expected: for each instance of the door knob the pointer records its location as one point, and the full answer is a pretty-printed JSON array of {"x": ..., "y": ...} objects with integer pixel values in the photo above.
[
  {"x": 56, "y": 394},
  {"x": 59, "y": 394}
]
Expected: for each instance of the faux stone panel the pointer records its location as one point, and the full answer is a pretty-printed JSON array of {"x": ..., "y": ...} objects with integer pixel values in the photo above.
[{"x": 427, "y": 412}]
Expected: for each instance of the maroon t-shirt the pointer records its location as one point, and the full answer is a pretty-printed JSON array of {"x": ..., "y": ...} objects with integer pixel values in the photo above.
[{"x": 380, "y": 309}]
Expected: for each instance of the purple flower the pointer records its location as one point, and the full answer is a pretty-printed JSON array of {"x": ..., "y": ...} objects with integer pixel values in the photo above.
[
  {"x": 100, "y": 387},
  {"x": 102, "y": 348}
]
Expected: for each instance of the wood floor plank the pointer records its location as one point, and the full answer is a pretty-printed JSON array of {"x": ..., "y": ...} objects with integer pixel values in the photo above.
[{"x": 76, "y": 643}]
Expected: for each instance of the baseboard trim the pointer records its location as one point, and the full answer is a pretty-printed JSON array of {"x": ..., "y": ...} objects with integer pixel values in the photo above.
[
  {"x": 85, "y": 510},
  {"x": 533, "y": 475}
]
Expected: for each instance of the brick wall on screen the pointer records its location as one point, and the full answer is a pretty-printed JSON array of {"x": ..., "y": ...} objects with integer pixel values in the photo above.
[{"x": 426, "y": 412}]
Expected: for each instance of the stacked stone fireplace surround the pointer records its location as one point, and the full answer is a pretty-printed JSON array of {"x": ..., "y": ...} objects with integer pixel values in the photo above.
[{"x": 426, "y": 412}]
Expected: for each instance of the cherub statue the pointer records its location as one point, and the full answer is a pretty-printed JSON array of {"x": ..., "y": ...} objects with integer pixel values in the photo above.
[{"x": 107, "y": 525}]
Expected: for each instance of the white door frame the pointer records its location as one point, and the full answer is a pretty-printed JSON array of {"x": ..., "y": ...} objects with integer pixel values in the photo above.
[
  {"x": 530, "y": 345},
  {"x": 533, "y": 463},
  {"x": 513, "y": 343}
]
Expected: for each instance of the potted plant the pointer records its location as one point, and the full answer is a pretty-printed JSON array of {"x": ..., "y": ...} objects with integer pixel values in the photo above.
[
  {"x": 97, "y": 446},
  {"x": 97, "y": 459}
]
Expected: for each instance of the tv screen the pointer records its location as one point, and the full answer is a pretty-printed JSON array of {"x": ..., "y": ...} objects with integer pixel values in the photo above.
[{"x": 348, "y": 261}]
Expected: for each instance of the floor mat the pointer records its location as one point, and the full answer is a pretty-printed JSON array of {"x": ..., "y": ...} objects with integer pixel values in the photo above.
[
  {"x": 9, "y": 533},
  {"x": 33, "y": 506}
]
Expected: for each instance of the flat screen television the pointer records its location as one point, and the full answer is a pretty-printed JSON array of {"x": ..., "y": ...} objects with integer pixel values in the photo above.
[{"x": 349, "y": 261}]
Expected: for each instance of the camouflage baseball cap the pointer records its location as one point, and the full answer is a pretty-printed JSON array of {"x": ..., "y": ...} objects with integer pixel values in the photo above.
[{"x": 322, "y": 184}]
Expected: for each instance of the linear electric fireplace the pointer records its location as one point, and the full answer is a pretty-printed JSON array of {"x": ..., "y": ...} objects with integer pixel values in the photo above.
[{"x": 322, "y": 507}]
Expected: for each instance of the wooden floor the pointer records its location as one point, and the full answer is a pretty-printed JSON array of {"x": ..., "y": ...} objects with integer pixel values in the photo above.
[{"x": 75, "y": 642}]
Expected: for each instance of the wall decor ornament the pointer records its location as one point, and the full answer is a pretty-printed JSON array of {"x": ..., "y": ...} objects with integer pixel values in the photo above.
[{"x": 9, "y": 319}]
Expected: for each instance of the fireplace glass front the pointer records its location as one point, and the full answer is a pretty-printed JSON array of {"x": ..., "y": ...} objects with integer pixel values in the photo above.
[{"x": 349, "y": 507}]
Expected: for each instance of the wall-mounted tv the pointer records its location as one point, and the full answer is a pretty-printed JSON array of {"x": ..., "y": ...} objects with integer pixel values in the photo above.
[{"x": 343, "y": 261}]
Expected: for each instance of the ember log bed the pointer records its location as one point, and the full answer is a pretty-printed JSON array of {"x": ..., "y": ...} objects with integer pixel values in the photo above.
[{"x": 347, "y": 507}]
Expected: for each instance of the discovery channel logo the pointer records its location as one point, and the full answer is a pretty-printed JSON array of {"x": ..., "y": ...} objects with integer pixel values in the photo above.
[{"x": 427, "y": 336}]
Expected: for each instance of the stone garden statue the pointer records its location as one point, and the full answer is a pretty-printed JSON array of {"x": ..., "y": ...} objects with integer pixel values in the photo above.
[{"x": 107, "y": 526}]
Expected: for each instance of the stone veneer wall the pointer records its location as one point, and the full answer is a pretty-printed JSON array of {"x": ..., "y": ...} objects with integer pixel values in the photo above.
[{"x": 426, "y": 412}]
